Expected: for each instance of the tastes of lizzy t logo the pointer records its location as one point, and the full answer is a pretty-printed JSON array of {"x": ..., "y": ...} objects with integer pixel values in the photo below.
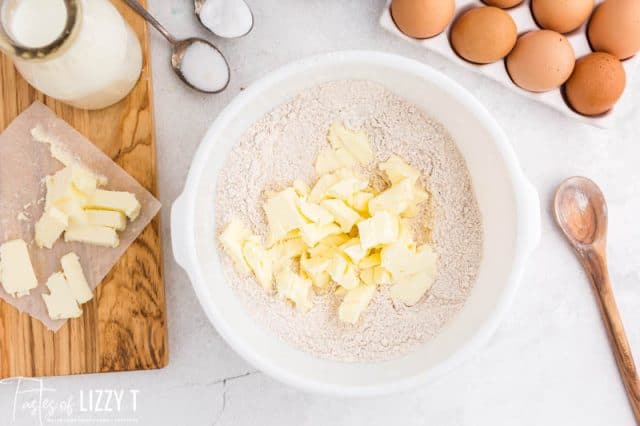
[{"x": 35, "y": 403}]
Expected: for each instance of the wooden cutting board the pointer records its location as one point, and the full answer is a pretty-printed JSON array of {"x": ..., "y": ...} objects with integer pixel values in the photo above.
[{"x": 124, "y": 327}]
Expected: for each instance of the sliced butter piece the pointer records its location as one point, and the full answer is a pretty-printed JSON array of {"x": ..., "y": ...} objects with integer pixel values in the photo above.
[
  {"x": 343, "y": 272},
  {"x": 355, "y": 302},
  {"x": 288, "y": 249},
  {"x": 283, "y": 214},
  {"x": 395, "y": 199},
  {"x": 91, "y": 234},
  {"x": 356, "y": 142},
  {"x": 419, "y": 197},
  {"x": 315, "y": 213},
  {"x": 16, "y": 271},
  {"x": 316, "y": 268},
  {"x": 260, "y": 261},
  {"x": 232, "y": 240},
  {"x": 121, "y": 201},
  {"x": 345, "y": 188},
  {"x": 344, "y": 215},
  {"x": 401, "y": 261},
  {"x": 360, "y": 201},
  {"x": 353, "y": 249},
  {"x": 410, "y": 289},
  {"x": 50, "y": 226},
  {"x": 294, "y": 288},
  {"x": 397, "y": 169},
  {"x": 329, "y": 160},
  {"x": 312, "y": 233},
  {"x": 381, "y": 228},
  {"x": 75, "y": 278},
  {"x": 60, "y": 302},
  {"x": 319, "y": 190},
  {"x": 370, "y": 261},
  {"x": 109, "y": 218}
]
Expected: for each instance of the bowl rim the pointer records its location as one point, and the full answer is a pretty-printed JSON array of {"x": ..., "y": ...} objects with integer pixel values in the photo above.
[{"x": 526, "y": 201}]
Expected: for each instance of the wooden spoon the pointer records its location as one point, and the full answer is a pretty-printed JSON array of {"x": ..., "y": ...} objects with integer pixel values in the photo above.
[{"x": 581, "y": 211}]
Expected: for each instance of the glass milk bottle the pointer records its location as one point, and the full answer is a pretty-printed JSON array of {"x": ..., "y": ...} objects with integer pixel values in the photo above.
[{"x": 81, "y": 52}]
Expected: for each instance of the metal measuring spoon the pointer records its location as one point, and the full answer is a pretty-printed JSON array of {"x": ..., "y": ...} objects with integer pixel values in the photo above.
[
  {"x": 581, "y": 212},
  {"x": 225, "y": 18},
  {"x": 197, "y": 62}
]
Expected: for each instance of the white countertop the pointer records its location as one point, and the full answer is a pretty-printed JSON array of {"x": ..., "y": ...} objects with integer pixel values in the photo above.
[{"x": 549, "y": 362}]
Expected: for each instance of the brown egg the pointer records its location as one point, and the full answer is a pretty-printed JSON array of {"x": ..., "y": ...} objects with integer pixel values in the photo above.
[
  {"x": 596, "y": 83},
  {"x": 541, "y": 60},
  {"x": 615, "y": 28},
  {"x": 561, "y": 15},
  {"x": 505, "y": 4},
  {"x": 484, "y": 34},
  {"x": 422, "y": 18}
]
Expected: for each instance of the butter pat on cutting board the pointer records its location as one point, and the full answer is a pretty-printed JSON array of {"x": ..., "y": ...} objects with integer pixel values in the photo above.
[{"x": 16, "y": 272}]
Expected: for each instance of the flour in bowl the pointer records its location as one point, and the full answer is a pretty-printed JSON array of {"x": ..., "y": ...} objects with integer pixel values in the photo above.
[{"x": 282, "y": 147}]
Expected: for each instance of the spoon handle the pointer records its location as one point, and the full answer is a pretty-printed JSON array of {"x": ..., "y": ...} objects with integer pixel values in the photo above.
[
  {"x": 595, "y": 263},
  {"x": 140, "y": 10}
]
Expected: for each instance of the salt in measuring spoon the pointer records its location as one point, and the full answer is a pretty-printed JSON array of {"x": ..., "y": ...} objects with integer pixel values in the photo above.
[
  {"x": 196, "y": 61},
  {"x": 225, "y": 18}
]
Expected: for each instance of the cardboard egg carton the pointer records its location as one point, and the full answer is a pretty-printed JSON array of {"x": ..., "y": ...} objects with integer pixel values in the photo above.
[{"x": 497, "y": 71}]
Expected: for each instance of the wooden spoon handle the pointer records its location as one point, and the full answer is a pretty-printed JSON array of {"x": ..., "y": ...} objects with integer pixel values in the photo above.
[{"x": 595, "y": 263}]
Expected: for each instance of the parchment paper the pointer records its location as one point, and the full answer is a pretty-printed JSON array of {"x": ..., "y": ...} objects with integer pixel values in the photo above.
[{"x": 24, "y": 162}]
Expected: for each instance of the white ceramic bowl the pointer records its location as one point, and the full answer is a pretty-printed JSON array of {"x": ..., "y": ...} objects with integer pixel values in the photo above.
[{"x": 508, "y": 203}]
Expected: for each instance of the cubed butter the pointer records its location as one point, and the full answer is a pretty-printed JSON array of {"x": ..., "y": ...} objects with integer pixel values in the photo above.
[
  {"x": 260, "y": 261},
  {"x": 344, "y": 215},
  {"x": 76, "y": 279},
  {"x": 355, "y": 302},
  {"x": 319, "y": 190},
  {"x": 288, "y": 249},
  {"x": 301, "y": 188},
  {"x": 109, "y": 218},
  {"x": 356, "y": 142},
  {"x": 232, "y": 239},
  {"x": 315, "y": 213},
  {"x": 121, "y": 201},
  {"x": 60, "y": 302},
  {"x": 295, "y": 288},
  {"x": 345, "y": 188},
  {"x": 370, "y": 261},
  {"x": 316, "y": 268},
  {"x": 397, "y": 169},
  {"x": 312, "y": 233},
  {"x": 395, "y": 199},
  {"x": 353, "y": 249},
  {"x": 283, "y": 214},
  {"x": 381, "y": 228},
  {"x": 16, "y": 271},
  {"x": 401, "y": 261},
  {"x": 333, "y": 159},
  {"x": 343, "y": 272},
  {"x": 360, "y": 201},
  {"x": 50, "y": 226},
  {"x": 410, "y": 289},
  {"x": 91, "y": 234}
]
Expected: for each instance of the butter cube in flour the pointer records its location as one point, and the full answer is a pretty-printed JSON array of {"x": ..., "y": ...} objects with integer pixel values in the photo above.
[
  {"x": 121, "y": 201},
  {"x": 294, "y": 288},
  {"x": 353, "y": 249},
  {"x": 344, "y": 215},
  {"x": 401, "y": 261},
  {"x": 356, "y": 142},
  {"x": 355, "y": 302},
  {"x": 316, "y": 268},
  {"x": 260, "y": 262},
  {"x": 315, "y": 213},
  {"x": 381, "y": 228},
  {"x": 91, "y": 234},
  {"x": 16, "y": 271},
  {"x": 60, "y": 302},
  {"x": 232, "y": 239},
  {"x": 396, "y": 170},
  {"x": 410, "y": 289},
  {"x": 319, "y": 190},
  {"x": 395, "y": 199},
  {"x": 312, "y": 233},
  {"x": 345, "y": 188},
  {"x": 109, "y": 218},
  {"x": 50, "y": 226},
  {"x": 78, "y": 284},
  {"x": 283, "y": 214}
]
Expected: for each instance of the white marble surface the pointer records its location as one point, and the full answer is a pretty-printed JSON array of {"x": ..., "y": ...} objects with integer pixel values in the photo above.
[{"x": 549, "y": 363}]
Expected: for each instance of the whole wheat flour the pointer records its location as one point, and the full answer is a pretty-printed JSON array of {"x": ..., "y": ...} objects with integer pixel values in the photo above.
[{"x": 282, "y": 147}]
